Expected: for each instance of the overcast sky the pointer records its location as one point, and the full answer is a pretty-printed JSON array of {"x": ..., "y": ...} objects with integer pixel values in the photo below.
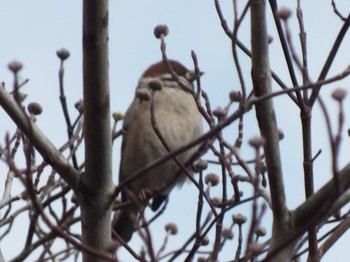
[{"x": 32, "y": 31}]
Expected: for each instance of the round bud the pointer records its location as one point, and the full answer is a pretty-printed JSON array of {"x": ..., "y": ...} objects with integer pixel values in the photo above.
[
  {"x": 15, "y": 66},
  {"x": 22, "y": 96},
  {"x": 219, "y": 112},
  {"x": 257, "y": 141},
  {"x": 143, "y": 94},
  {"x": 117, "y": 116},
  {"x": 339, "y": 94},
  {"x": 269, "y": 39},
  {"x": 200, "y": 165},
  {"x": 79, "y": 106},
  {"x": 260, "y": 231},
  {"x": 212, "y": 178},
  {"x": 155, "y": 84},
  {"x": 280, "y": 134},
  {"x": 161, "y": 30},
  {"x": 35, "y": 108},
  {"x": 205, "y": 241},
  {"x": 256, "y": 248},
  {"x": 239, "y": 218},
  {"x": 171, "y": 228},
  {"x": 63, "y": 53},
  {"x": 235, "y": 96},
  {"x": 284, "y": 13},
  {"x": 227, "y": 233}
]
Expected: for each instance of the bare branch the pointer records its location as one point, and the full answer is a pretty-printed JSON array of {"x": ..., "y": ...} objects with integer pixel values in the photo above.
[{"x": 48, "y": 151}]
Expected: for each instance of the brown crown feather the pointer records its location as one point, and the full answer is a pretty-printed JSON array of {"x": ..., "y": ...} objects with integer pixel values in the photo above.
[{"x": 161, "y": 68}]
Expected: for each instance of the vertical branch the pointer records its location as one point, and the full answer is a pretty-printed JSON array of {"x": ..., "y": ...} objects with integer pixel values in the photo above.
[
  {"x": 303, "y": 44},
  {"x": 63, "y": 54},
  {"x": 261, "y": 76},
  {"x": 274, "y": 7},
  {"x": 305, "y": 116},
  {"x": 96, "y": 186},
  {"x": 236, "y": 24},
  {"x": 308, "y": 171}
]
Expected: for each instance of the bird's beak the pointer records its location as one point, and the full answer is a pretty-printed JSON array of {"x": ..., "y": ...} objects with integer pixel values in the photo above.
[{"x": 191, "y": 75}]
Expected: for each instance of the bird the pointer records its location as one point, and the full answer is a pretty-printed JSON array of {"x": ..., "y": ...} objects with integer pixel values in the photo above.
[{"x": 179, "y": 122}]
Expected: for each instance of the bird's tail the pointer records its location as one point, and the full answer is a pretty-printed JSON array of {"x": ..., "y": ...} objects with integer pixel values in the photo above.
[{"x": 124, "y": 224}]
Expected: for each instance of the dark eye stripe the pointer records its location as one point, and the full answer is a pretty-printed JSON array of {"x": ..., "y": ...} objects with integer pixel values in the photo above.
[
  {"x": 168, "y": 81},
  {"x": 167, "y": 78}
]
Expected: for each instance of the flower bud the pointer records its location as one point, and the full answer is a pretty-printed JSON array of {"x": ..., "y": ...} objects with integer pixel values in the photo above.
[
  {"x": 339, "y": 94},
  {"x": 15, "y": 66},
  {"x": 227, "y": 233},
  {"x": 235, "y": 96},
  {"x": 257, "y": 141},
  {"x": 212, "y": 178},
  {"x": 205, "y": 241},
  {"x": 269, "y": 39},
  {"x": 239, "y": 218},
  {"x": 256, "y": 248},
  {"x": 219, "y": 112},
  {"x": 284, "y": 13},
  {"x": 22, "y": 96},
  {"x": 161, "y": 30},
  {"x": 63, "y": 53},
  {"x": 200, "y": 165},
  {"x": 171, "y": 228},
  {"x": 79, "y": 106},
  {"x": 155, "y": 84},
  {"x": 143, "y": 94},
  {"x": 117, "y": 116},
  {"x": 280, "y": 134},
  {"x": 35, "y": 108},
  {"x": 260, "y": 231}
]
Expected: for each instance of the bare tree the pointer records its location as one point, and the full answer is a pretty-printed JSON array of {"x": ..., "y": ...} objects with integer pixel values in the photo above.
[{"x": 83, "y": 193}]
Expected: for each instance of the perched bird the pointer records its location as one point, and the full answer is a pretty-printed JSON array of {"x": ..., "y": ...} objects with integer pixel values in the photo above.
[{"x": 178, "y": 121}]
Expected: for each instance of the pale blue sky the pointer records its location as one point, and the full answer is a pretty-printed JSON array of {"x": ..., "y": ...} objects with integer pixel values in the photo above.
[{"x": 32, "y": 31}]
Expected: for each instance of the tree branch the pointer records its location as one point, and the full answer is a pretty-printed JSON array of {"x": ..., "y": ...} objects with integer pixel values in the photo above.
[
  {"x": 261, "y": 77},
  {"x": 96, "y": 185},
  {"x": 41, "y": 143},
  {"x": 317, "y": 207}
]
